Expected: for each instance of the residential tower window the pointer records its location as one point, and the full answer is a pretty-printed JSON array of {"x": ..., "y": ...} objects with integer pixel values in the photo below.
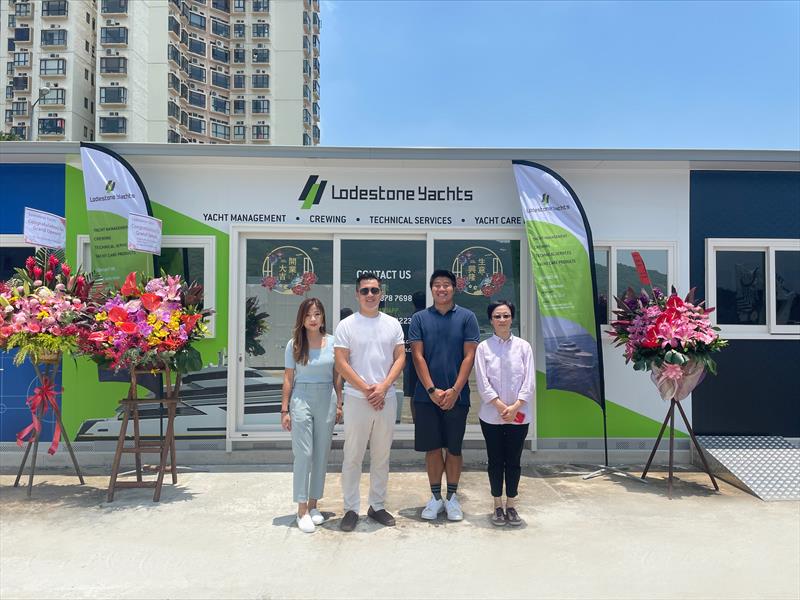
[
  {"x": 54, "y": 37},
  {"x": 260, "y": 81},
  {"x": 197, "y": 73},
  {"x": 51, "y": 126},
  {"x": 53, "y": 66},
  {"x": 197, "y": 47},
  {"x": 197, "y": 99},
  {"x": 113, "y": 125},
  {"x": 115, "y": 7},
  {"x": 54, "y": 8},
  {"x": 220, "y": 105},
  {"x": 260, "y": 30},
  {"x": 197, "y": 21},
  {"x": 221, "y": 29},
  {"x": 219, "y": 130},
  {"x": 197, "y": 125},
  {"x": 260, "y": 106},
  {"x": 113, "y": 64},
  {"x": 113, "y": 35},
  {"x": 55, "y": 96},
  {"x": 260, "y": 132},
  {"x": 220, "y": 80},
  {"x": 260, "y": 55}
]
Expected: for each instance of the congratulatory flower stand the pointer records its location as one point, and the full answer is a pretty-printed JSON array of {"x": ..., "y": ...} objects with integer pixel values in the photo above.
[
  {"x": 42, "y": 308},
  {"x": 674, "y": 339},
  {"x": 147, "y": 328}
]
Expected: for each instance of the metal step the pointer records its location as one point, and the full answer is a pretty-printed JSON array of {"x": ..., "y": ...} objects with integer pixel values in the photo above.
[{"x": 766, "y": 466}]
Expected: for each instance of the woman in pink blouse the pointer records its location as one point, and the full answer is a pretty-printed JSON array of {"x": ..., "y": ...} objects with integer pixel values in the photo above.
[{"x": 507, "y": 384}]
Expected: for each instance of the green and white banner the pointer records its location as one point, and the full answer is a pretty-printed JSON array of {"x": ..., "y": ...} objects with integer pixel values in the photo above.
[
  {"x": 562, "y": 260},
  {"x": 113, "y": 191}
]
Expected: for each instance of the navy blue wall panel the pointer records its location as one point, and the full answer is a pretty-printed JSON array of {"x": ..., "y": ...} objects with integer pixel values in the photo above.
[
  {"x": 757, "y": 390},
  {"x": 39, "y": 186}
]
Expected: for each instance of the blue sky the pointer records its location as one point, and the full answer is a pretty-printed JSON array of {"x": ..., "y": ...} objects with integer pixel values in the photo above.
[{"x": 561, "y": 74}]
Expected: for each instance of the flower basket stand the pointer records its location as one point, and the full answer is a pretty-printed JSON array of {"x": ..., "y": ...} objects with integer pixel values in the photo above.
[
  {"x": 46, "y": 369},
  {"x": 670, "y": 418},
  {"x": 164, "y": 446}
]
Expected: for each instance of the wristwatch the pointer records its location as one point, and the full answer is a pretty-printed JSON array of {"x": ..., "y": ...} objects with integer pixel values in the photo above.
[{"x": 431, "y": 389}]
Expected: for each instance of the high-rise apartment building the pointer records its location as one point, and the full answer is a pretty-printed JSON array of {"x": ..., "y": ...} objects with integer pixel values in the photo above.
[
  {"x": 48, "y": 44},
  {"x": 192, "y": 71}
]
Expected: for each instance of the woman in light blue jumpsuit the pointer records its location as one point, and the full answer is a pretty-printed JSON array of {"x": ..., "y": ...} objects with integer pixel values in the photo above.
[{"x": 308, "y": 408}]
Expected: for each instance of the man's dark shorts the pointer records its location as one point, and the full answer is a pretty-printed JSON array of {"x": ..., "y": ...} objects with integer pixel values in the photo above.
[{"x": 435, "y": 428}]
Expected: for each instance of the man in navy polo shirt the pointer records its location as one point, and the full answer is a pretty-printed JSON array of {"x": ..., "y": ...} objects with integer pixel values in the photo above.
[{"x": 443, "y": 341}]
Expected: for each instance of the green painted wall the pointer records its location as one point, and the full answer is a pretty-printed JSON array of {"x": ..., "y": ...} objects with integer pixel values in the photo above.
[
  {"x": 563, "y": 414},
  {"x": 84, "y": 396}
]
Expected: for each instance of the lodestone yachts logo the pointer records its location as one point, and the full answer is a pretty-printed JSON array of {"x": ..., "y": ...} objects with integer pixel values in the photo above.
[
  {"x": 544, "y": 201},
  {"x": 312, "y": 192},
  {"x": 110, "y": 195}
]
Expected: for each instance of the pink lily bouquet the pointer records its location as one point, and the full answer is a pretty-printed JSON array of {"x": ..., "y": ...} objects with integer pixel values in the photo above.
[
  {"x": 147, "y": 324},
  {"x": 42, "y": 308},
  {"x": 670, "y": 336}
]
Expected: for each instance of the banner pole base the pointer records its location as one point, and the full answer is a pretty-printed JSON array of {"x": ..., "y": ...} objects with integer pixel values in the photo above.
[{"x": 608, "y": 470}]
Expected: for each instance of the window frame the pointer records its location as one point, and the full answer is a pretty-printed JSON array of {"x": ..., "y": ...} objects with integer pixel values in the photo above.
[
  {"x": 770, "y": 330},
  {"x": 208, "y": 243},
  {"x": 612, "y": 246}
]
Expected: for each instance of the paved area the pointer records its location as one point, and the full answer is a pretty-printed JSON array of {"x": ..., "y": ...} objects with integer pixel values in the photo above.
[{"x": 229, "y": 533}]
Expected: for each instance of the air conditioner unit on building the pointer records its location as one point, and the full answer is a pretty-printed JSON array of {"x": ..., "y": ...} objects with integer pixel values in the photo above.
[
  {"x": 108, "y": 21},
  {"x": 108, "y": 52},
  {"x": 116, "y": 53}
]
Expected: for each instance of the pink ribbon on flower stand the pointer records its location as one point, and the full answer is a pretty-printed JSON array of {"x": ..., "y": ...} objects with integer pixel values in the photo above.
[{"x": 43, "y": 398}]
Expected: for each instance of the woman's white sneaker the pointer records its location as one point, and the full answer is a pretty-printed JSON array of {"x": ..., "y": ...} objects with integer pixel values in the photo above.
[
  {"x": 305, "y": 524},
  {"x": 316, "y": 517},
  {"x": 453, "y": 508},
  {"x": 432, "y": 509}
]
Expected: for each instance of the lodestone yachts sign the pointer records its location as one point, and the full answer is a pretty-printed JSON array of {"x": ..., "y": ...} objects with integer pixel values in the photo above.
[{"x": 381, "y": 198}]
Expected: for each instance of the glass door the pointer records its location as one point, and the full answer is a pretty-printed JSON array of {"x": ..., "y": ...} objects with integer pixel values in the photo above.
[
  {"x": 279, "y": 275},
  {"x": 401, "y": 265},
  {"x": 271, "y": 276}
]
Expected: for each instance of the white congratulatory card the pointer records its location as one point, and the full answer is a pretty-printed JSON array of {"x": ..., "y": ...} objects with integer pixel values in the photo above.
[
  {"x": 44, "y": 229},
  {"x": 144, "y": 233}
]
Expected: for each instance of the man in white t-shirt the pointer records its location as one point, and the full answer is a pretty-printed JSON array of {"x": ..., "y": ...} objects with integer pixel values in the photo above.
[{"x": 370, "y": 355}]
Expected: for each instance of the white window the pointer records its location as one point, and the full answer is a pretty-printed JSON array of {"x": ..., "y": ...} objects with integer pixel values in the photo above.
[
  {"x": 193, "y": 257},
  {"x": 615, "y": 271},
  {"x": 754, "y": 284}
]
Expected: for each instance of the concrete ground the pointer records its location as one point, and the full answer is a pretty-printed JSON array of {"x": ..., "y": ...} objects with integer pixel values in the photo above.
[{"x": 228, "y": 532}]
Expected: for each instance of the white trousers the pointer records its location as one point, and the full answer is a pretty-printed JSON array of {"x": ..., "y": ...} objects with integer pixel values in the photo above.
[{"x": 363, "y": 424}]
